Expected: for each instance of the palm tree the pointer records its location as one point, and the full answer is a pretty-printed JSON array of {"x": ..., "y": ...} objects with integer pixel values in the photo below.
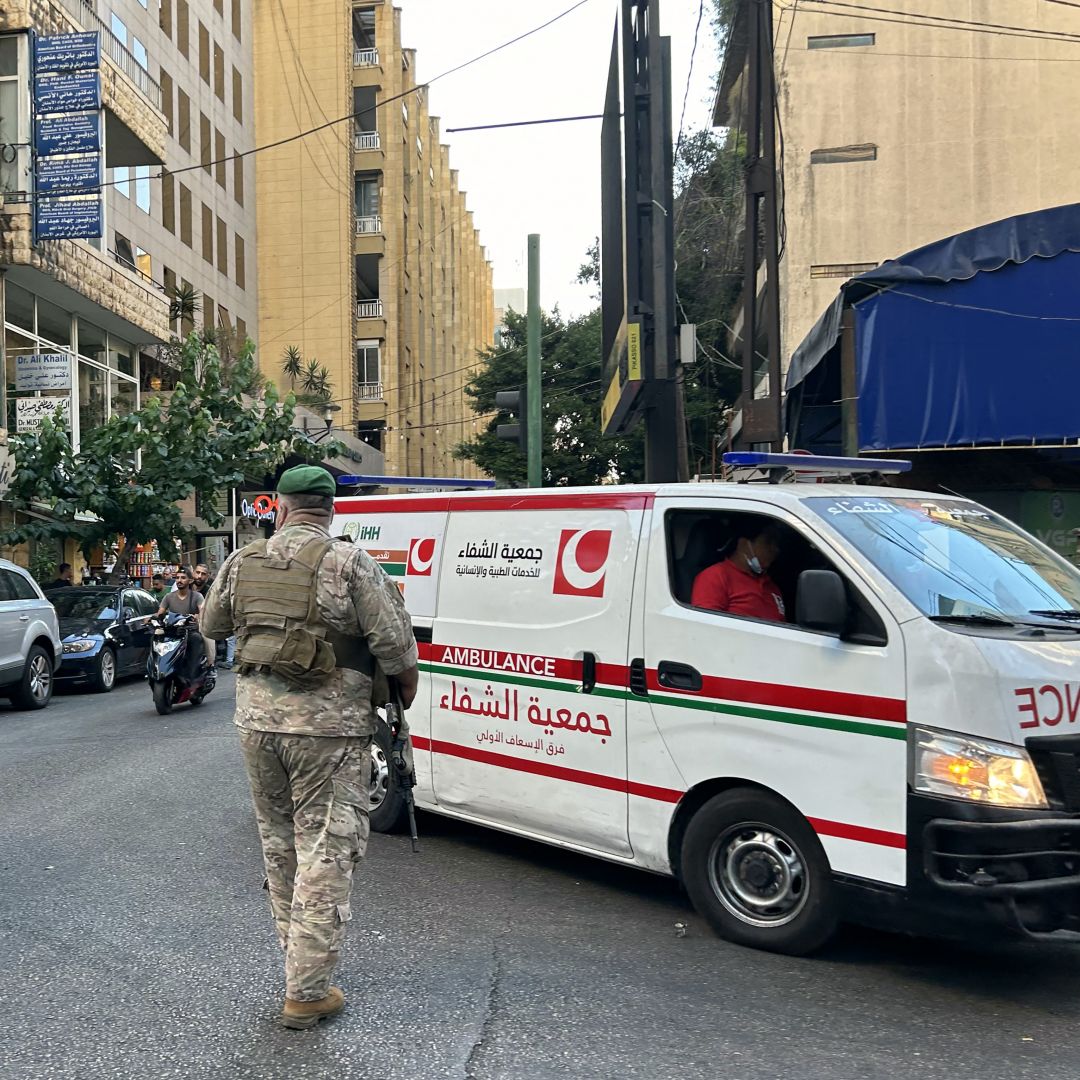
[
  {"x": 314, "y": 378},
  {"x": 292, "y": 365},
  {"x": 183, "y": 305}
]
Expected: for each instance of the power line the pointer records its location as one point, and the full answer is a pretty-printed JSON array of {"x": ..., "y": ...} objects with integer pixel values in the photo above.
[
  {"x": 689, "y": 76},
  {"x": 914, "y": 18},
  {"x": 529, "y": 123}
]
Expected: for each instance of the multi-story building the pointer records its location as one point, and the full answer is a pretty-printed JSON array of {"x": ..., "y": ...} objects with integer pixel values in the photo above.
[
  {"x": 176, "y": 100},
  {"x": 369, "y": 259},
  {"x": 906, "y": 127}
]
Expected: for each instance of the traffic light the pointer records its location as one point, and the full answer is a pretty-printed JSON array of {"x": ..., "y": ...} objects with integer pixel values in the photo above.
[{"x": 514, "y": 402}]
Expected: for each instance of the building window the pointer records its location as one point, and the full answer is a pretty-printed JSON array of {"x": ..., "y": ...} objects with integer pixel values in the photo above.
[
  {"x": 14, "y": 113},
  {"x": 165, "y": 18},
  {"x": 238, "y": 179},
  {"x": 220, "y": 154},
  {"x": 185, "y": 215},
  {"x": 142, "y": 188},
  {"x": 241, "y": 262},
  {"x": 122, "y": 181},
  {"x": 204, "y": 54},
  {"x": 168, "y": 202},
  {"x": 363, "y": 22},
  {"x": 236, "y": 19},
  {"x": 119, "y": 30},
  {"x": 238, "y": 95},
  {"x": 206, "y": 146},
  {"x": 208, "y": 311},
  {"x": 165, "y": 79},
  {"x": 222, "y": 248},
  {"x": 219, "y": 72},
  {"x": 241, "y": 331},
  {"x": 123, "y": 250},
  {"x": 367, "y": 195},
  {"x": 839, "y": 41},
  {"x": 841, "y": 154},
  {"x": 368, "y": 369},
  {"x": 183, "y": 28},
  {"x": 840, "y": 270},
  {"x": 208, "y": 234},
  {"x": 183, "y": 109},
  {"x": 138, "y": 50},
  {"x": 219, "y": 7}
]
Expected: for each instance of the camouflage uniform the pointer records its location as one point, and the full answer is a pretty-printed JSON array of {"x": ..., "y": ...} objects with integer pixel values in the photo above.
[{"x": 307, "y": 754}]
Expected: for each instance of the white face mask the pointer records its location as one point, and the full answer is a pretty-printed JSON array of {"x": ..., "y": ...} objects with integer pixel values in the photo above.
[{"x": 753, "y": 563}]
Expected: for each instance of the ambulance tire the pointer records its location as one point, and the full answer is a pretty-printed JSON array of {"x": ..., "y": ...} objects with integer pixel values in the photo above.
[
  {"x": 387, "y": 804},
  {"x": 756, "y": 871}
]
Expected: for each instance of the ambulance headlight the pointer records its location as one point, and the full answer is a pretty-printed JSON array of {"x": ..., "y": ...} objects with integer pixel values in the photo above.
[{"x": 978, "y": 770}]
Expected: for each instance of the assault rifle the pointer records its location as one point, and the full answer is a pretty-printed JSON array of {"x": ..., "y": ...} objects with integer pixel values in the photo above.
[{"x": 406, "y": 775}]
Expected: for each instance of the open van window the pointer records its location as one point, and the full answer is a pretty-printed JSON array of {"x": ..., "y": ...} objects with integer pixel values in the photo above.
[
  {"x": 701, "y": 539},
  {"x": 954, "y": 559}
]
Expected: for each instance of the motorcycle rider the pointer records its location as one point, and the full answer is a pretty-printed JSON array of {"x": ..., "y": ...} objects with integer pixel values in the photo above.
[{"x": 186, "y": 600}]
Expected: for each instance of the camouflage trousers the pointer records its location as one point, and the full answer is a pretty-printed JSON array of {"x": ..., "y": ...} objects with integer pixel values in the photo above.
[{"x": 311, "y": 803}]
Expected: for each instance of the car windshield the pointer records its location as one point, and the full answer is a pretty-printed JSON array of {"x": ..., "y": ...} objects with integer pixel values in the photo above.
[
  {"x": 85, "y": 605},
  {"x": 955, "y": 559}
]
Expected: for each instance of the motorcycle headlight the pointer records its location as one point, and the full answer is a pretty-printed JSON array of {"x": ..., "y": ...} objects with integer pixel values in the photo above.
[
  {"x": 164, "y": 646},
  {"x": 81, "y": 645},
  {"x": 978, "y": 770}
]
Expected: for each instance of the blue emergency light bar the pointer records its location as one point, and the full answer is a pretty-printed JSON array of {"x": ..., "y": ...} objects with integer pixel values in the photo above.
[
  {"x": 745, "y": 459},
  {"x": 412, "y": 481}
]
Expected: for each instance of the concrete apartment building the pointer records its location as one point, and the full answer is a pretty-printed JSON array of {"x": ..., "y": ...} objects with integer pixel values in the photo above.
[
  {"x": 899, "y": 130},
  {"x": 369, "y": 260},
  {"x": 176, "y": 94}
]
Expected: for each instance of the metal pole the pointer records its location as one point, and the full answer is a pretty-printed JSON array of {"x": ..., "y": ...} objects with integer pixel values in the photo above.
[{"x": 534, "y": 428}]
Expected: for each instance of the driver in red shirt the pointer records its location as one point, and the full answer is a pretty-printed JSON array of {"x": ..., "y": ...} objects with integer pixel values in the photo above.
[{"x": 740, "y": 584}]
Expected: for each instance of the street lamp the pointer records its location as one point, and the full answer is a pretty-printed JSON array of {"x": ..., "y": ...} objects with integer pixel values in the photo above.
[{"x": 327, "y": 411}]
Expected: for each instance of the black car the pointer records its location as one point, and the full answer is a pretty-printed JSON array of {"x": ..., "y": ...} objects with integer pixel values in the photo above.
[{"x": 105, "y": 631}]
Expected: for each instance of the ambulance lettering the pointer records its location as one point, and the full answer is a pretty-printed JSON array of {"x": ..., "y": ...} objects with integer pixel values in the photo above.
[
  {"x": 581, "y": 566},
  {"x": 421, "y": 557},
  {"x": 493, "y": 660},
  {"x": 1048, "y": 706}
]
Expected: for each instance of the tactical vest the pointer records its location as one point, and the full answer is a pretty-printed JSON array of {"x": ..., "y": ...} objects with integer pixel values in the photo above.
[{"x": 279, "y": 627}]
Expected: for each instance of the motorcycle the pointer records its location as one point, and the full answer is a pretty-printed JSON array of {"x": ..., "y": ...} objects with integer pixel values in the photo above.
[{"x": 169, "y": 669}]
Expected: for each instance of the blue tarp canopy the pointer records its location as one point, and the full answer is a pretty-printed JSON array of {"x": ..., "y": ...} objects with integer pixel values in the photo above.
[{"x": 970, "y": 341}]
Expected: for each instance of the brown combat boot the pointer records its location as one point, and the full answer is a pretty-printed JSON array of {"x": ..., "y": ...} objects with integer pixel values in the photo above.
[{"x": 306, "y": 1014}]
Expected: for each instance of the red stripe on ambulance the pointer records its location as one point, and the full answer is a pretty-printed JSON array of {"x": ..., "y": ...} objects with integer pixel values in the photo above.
[
  {"x": 442, "y": 504},
  {"x": 630, "y": 787}
]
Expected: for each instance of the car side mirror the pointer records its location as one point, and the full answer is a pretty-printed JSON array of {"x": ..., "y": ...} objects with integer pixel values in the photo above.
[{"x": 821, "y": 602}]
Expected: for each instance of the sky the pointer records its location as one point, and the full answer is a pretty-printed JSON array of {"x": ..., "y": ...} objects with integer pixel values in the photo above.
[{"x": 540, "y": 179}]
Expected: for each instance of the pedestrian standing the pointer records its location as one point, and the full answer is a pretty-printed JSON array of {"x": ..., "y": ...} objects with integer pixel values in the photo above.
[
  {"x": 310, "y": 614},
  {"x": 64, "y": 577}
]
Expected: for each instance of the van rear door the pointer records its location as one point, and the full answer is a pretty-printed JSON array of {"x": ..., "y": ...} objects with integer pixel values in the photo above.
[{"x": 528, "y": 665}]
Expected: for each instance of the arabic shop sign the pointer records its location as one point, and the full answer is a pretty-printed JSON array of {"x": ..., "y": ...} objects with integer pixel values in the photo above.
[
  {"x": 43, "y": 371},
  {"x": 76, "y": 134},
  {"x": 262, "y": 508},
  {"x": 30, "y": 412},
  {"x": 75, "y": 93},
  {"x": 68, "y": 52},
  {"x": 69, "y": 176}
]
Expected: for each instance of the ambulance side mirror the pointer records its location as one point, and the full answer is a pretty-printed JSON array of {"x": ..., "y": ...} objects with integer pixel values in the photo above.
[{"x": 821, "y": 602}]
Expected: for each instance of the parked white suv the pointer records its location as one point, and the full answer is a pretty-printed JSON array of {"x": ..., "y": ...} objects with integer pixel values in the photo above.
[{"x": 30, "y": 648}]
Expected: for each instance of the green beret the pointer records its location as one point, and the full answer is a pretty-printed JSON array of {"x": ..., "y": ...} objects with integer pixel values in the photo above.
[{"x": 306, "y": 480}]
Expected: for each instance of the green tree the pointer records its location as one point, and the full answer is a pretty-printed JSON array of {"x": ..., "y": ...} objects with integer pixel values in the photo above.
[
  {"x": 574, "y": 453},
  {"x": 219, "y": 427}
]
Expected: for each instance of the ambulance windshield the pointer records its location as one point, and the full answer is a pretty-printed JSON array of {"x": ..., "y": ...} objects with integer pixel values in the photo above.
[{"x": 955, "y": 559}]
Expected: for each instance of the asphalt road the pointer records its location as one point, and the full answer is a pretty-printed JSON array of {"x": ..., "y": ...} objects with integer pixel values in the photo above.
[{"x": 135, "y": 941}]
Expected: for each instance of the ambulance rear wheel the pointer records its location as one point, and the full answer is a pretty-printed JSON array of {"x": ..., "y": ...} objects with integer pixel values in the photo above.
[
  {"x": 755, "y": 869},
  {"x": 386, "y": 805}
]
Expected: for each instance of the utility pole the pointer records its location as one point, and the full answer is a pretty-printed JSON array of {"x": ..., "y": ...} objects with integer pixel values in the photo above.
[
  {"x": 533, "y": 412},
  {"x": 762, "y": 422}
]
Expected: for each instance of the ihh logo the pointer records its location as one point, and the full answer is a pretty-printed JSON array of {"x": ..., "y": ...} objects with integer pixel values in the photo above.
[
  {"x": 421, "y": 558},
  {"x": 581, "y": 568}
]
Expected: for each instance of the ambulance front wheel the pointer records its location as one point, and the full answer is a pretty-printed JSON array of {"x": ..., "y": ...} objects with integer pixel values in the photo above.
[
  {"x": 386, "y": 804},
  {"x": 757, "y": 872}
]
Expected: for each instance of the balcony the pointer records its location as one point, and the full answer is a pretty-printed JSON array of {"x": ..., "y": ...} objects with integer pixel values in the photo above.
[
  {"x": 369, "y": 309},
  {"x": 369, "y": 225},
  {"x": 366, "y": 140},
  {"x": 365, "y": 58},
  {"x": 369, "y": 391}
]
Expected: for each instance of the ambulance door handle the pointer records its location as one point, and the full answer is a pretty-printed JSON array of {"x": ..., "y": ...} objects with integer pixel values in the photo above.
[
  {"x": 588, "y": 672},
  {"x": 678, "y": 676}
]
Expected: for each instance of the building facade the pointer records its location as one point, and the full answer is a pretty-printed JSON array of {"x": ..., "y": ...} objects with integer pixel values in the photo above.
[
  {"x": 899, "y": 130},
  {"x": 369, "y": 259},
  {"x": 175, "y": 100}
]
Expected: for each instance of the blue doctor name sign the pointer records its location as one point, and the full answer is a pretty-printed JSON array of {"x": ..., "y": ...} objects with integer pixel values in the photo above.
[
  {"x": 76, "y": 134},
  {"x": 68, "y": 52},
  {"x": 67, "y": 219},
  {"x": 76, "y": 92},
  {"x": 68, "y": 176}
]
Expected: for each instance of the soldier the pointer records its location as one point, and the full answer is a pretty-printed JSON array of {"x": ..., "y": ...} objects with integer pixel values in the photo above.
[{"x": 310, "y": 613}]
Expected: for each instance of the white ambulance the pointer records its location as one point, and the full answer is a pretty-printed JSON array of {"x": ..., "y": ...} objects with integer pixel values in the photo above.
[{"x": 903, "y": 748}]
